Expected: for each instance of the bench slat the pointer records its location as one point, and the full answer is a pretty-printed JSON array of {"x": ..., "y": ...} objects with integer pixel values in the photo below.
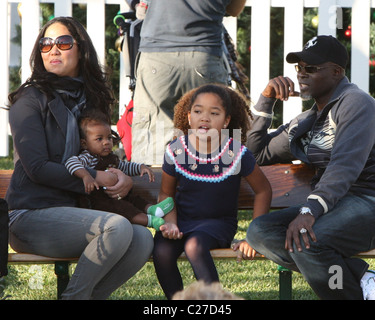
[
  {"x": 5, "y": 176},
  {"x": 23, "y": 258}
]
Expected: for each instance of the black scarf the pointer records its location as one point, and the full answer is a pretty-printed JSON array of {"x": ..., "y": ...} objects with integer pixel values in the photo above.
[{"x": 71, "y": 92}]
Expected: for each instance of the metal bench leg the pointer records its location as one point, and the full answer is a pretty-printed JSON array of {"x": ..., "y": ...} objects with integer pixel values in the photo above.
[
  {"x": 285, "y": 283},
  {"x": 63, "y": 276}
]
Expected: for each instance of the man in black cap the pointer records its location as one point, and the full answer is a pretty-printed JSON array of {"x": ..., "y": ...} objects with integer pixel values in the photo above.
[{"x": 336, "y": 136}]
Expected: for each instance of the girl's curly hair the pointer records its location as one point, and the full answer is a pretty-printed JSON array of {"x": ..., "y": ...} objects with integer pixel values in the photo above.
[{"x": 234, "y": 103}]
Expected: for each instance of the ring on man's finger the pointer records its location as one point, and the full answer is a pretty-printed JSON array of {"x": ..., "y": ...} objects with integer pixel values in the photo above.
[
  {"x": 118, "y": 197},
  {"x": 303, "y": 230}
]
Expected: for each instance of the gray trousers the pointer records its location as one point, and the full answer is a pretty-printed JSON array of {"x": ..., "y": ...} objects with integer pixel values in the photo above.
[
  {"x": 162, "y": 78},
  {"x": 111, "y": 250}
]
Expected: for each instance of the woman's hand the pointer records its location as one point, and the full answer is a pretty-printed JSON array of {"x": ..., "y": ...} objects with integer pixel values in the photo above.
[
  {"x": 122, "y": 187},
  {"x": 106, "y": 178}
]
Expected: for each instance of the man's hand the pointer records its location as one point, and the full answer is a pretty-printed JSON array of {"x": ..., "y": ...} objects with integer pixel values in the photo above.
[
  {"x": 280, "y": 88},
  {"x": 304, "y": 223}
]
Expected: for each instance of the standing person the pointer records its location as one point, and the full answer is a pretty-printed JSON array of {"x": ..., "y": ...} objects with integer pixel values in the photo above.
[
  {"x": 180, "y": 49},
  {"x": 66, "y": 77},
  {"x": 336, "y": 137},
  {"x": 202, "y": 170},
  {"x": 97, "y": 143}
]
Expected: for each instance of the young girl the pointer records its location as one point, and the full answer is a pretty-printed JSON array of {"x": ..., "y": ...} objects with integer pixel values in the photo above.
[
  {"x": 97, "y": 143},
  {"x": 202, "y": 170}
]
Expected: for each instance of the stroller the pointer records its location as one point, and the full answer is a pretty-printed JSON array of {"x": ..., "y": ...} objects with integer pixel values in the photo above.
[{"x": 130, "y": 30}]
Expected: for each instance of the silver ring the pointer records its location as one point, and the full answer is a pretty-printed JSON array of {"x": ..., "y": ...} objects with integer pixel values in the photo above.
[
  {"x": 118, "y": 197},
  {"x": 303, "y": 230}
]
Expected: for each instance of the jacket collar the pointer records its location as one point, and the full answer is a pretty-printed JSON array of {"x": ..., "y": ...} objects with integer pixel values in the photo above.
[{"x": 59, "y": 111}]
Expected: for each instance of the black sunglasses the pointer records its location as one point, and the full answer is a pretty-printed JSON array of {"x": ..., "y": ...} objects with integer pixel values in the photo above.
[
  {"x": 63, "y": 43},
  {"x": 308, "y": 69}
]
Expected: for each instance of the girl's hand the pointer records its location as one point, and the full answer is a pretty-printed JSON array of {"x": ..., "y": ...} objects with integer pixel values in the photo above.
[
  {"x": 171, "y": 231},
  {"x": 245, "y": 251}
]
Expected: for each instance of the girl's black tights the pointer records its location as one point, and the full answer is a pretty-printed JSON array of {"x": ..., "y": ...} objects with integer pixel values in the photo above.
[{"x": 197, "y": 246}]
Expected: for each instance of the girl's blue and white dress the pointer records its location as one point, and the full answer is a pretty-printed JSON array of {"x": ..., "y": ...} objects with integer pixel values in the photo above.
[{"x": 208, "y": 186}]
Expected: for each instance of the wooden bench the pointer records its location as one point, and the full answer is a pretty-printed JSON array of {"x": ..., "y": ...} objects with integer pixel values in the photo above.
[{"x": 290, "y": 184}]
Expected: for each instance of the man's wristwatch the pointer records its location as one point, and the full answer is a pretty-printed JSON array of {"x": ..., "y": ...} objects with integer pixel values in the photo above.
[{"x": 305, "y": 210}]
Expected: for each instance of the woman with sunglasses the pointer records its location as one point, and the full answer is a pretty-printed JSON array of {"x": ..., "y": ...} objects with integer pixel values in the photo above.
[
  {"x": 336, "y": 136},
  {"x": 67, "y": 78}
]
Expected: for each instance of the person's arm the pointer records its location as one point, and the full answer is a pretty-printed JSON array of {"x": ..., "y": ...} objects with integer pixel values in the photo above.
[
  {"x": 262, "y": 201},
  {"x": 269, "y": 148},
  {"x": 121, "y": 188},
  {"x": 262, "y": 190},
  {"x": 135, "y": 169},
  {"x": 130, "y": 168},
  {"x": 168, "y": 186},
  {"x": 235, "y": 7},
  {"x": 106, "y": 178},
  {"x": 88, "y": 180}
]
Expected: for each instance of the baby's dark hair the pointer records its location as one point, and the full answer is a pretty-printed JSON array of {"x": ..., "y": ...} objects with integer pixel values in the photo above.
[
  {"x": 91, "y": 115},
  {"x": 234, "y": 103}
]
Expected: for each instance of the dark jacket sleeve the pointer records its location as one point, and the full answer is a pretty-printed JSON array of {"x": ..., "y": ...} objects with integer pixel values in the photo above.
[{"x": 268, "y": 147}]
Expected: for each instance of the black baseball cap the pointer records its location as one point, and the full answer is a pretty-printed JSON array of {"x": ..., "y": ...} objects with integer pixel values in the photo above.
[{"x": 321, "y": 49}]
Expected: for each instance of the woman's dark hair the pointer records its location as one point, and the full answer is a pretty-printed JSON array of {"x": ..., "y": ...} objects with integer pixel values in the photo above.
[
  {"x": 234, "y": 103},
  {"x": 95, "y": 80}
]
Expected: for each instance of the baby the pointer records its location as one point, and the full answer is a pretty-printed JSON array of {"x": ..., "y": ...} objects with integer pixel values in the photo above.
[{"x": 97, "y": 143}]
